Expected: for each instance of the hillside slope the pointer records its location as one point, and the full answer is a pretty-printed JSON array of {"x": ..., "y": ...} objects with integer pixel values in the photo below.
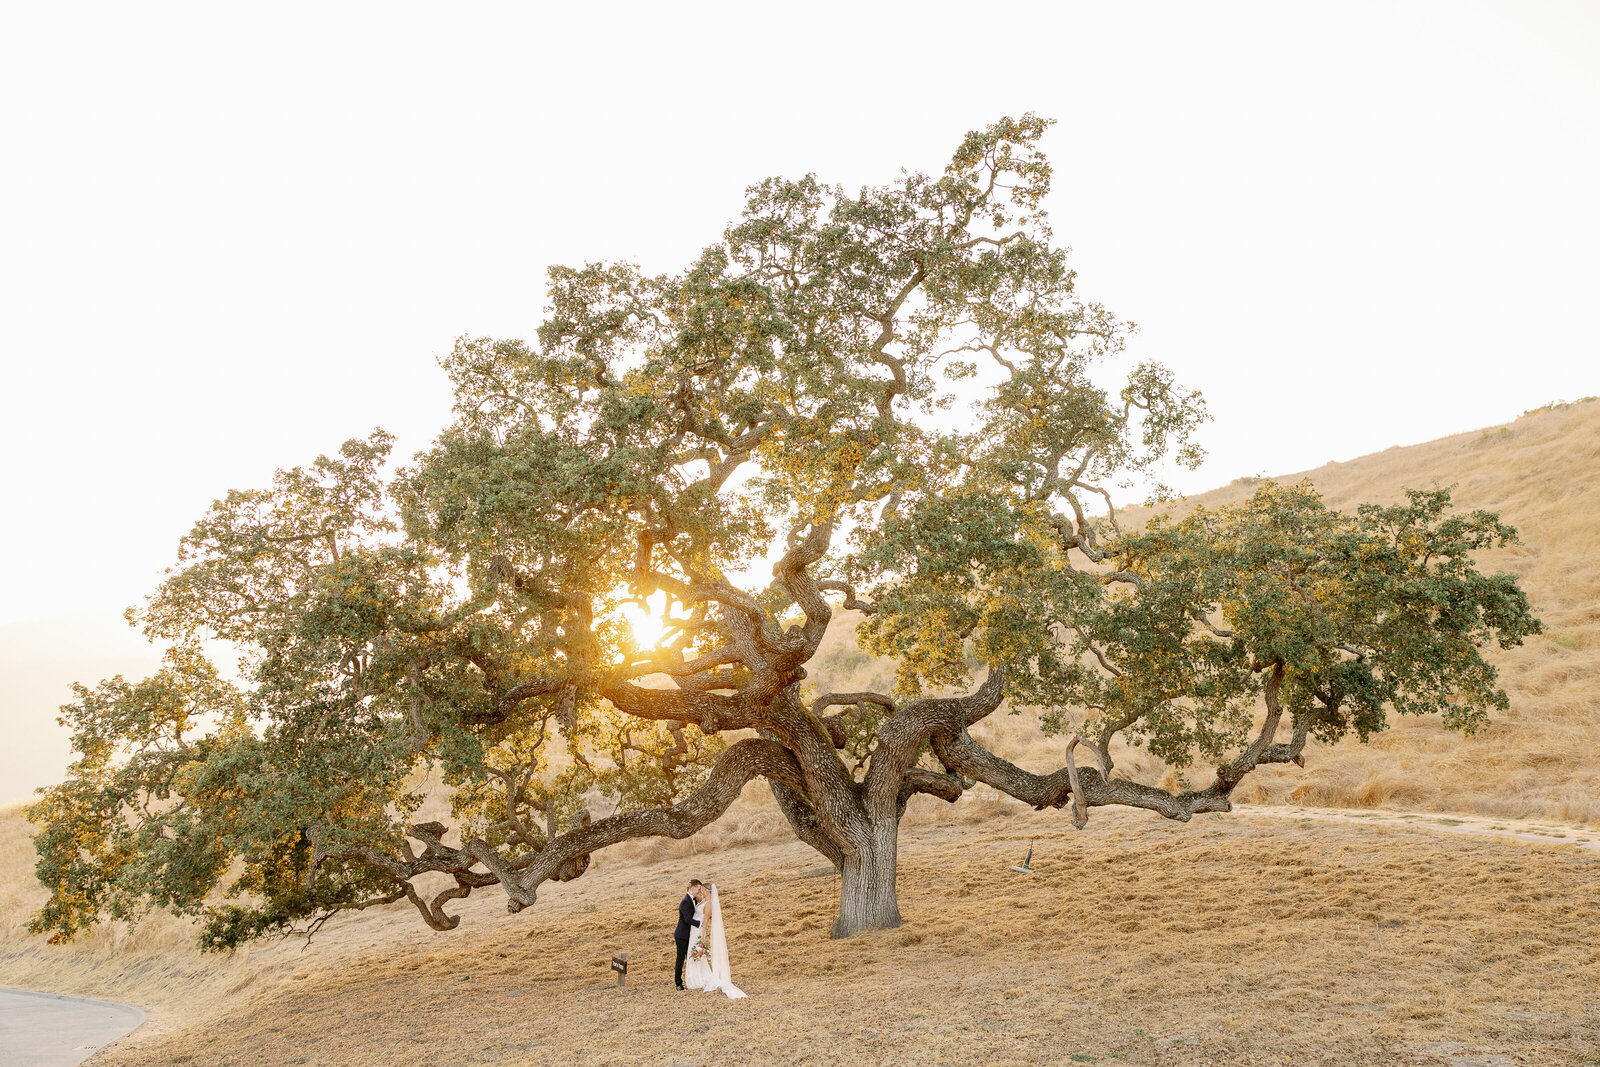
[
  {"x": 1240, "y": 939},
  {"x": 1542, "y": 758}
]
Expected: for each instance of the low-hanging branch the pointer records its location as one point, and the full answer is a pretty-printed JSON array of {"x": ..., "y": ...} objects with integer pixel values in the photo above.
[{"x": 566, "y": 856}]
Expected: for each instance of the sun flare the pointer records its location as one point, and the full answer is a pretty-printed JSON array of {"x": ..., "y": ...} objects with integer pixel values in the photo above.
[{"x": 647, "y": 626}]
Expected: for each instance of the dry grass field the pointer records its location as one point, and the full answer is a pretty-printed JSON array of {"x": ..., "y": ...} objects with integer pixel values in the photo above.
[
  {"x": 1378, "y": 934},
  {"x": 1243, "y": 939}
]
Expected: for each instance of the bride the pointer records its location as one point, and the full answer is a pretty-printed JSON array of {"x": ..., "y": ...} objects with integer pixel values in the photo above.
[{"x": 707, "y": 967}]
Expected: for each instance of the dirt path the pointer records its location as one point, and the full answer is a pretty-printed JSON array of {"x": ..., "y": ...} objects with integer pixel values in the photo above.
[
  {"x": 1525, "y": 830},
  {"x": 46, "y": 1030}
]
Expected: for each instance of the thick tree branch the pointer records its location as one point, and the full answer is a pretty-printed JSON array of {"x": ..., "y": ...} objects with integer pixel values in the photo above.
[
  {"x": 851, "y": 601},
  {"x": 947, "y": 787},
  {"x": 712, "y": 712},
  {"x": 902, "y": 734},
  {"x": 1087, "y": 788},
  {"x": 744, "y": 760},
  {"x": 803, "y": 821}
]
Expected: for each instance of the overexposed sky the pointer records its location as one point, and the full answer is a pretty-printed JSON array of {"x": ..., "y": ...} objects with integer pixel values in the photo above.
[{"x": 232, "y": 236}]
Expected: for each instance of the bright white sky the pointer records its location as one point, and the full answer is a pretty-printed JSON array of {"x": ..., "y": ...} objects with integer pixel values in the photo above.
[{"x": 231, "y": 236}]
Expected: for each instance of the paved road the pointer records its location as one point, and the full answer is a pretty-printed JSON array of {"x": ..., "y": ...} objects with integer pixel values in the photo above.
[{"x": 44, "y": 1030}]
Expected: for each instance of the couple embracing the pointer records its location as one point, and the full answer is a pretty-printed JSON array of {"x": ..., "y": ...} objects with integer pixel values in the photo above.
[{"x": 702, "y": 945}]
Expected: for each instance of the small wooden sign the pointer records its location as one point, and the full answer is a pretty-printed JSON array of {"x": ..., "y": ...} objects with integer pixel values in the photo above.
[{"x": 619, "y": 963}]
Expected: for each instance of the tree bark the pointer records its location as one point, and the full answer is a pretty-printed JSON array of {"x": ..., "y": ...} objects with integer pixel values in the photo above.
[
  {"x": 803, "y": 821},
  {"x": 867, "y": 899}
]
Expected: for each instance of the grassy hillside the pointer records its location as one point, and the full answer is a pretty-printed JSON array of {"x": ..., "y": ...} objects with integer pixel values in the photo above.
[
  {"x": 1542, "y": 759},
  {"x": 1249, "y": 939}
]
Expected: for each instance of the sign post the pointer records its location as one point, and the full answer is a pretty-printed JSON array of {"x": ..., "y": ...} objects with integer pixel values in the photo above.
[{"x": 619, "y": 963}]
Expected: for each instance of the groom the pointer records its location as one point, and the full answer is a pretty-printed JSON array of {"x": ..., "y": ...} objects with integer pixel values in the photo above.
[{"x": 686, "y": 920}]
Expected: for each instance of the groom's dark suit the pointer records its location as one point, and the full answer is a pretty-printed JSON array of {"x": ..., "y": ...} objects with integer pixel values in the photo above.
[{"x": 681, "y": 935}]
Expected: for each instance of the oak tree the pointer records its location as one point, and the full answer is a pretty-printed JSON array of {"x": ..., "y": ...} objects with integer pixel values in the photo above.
[{"x": 891, "y": 406}]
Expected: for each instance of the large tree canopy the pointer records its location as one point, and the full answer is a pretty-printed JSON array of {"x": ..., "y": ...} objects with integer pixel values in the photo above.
[{"x": 893, "y": 402}]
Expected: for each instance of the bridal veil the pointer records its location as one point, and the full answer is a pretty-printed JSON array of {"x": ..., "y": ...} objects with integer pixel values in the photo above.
[{"x": 721, "y": 976}]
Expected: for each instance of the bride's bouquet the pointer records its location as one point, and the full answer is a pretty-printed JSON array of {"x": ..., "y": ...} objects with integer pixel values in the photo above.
[{"x": 702, "y": 948}]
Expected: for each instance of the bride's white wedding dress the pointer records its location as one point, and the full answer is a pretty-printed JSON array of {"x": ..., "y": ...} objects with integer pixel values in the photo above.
[{"x": 710, "y": 972}]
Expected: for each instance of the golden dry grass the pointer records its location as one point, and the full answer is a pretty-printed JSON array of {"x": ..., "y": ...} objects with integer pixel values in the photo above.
[{"x": 1245, "y": 939}]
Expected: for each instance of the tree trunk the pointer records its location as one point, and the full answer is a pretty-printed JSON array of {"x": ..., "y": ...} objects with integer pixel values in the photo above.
[
  {"x": 803, "y": 821},
  {"x": 867, "y": 898}
]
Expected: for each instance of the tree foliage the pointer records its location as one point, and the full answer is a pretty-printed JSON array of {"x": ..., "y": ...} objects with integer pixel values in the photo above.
[{"x": 895, "y": 402}]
